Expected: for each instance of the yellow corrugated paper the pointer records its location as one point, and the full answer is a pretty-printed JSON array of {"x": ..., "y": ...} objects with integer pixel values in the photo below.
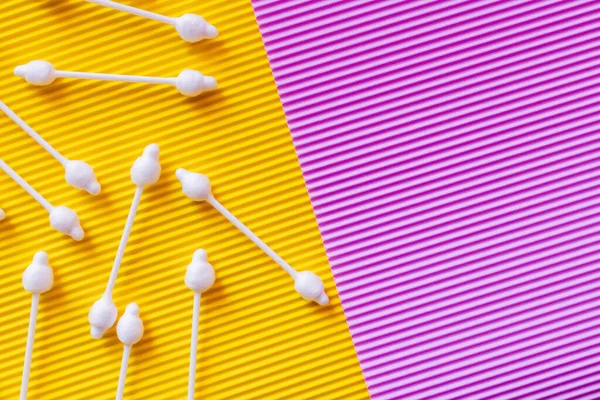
[{"x": 259, "y": 340}]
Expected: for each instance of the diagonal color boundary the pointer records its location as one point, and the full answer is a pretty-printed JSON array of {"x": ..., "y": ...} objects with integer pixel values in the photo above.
[{"x": 452, "y": 152}]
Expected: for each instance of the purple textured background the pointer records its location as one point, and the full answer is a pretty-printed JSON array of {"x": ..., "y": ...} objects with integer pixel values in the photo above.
[{"x": 451, "y": 151}]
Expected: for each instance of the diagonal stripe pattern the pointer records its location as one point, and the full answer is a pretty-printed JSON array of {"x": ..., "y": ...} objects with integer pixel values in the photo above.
[
  {"x": 258, "y": 338},
  {"x": 452, "y": 153}
]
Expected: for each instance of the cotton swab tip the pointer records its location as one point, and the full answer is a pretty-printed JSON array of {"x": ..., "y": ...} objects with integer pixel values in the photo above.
[
  {"x": 193, "y": 28},
  {"x": 323, "y": 299},
  {"x": 180, "y": 173},
  {"x": 81, "y": 176},
  {"x": 93, "y": 188},
  {"x": 195, "y": 186},
  {"x": 152, "y": 150},
  {"x": 310, "y": 287},
  {"x": 41, "y": 257},
  {"x": 38, "y": 277},
  {"x": 2, "y": 214},
  {"x": 146, "y": 169},
  {"x": 130, "y": 327},
  {"x": 191, "y": 83},
  {"x": 66, "y": 221},
  {"x": 210, "y": 83},
  {"x": 20, "y": 70},
  {"x": 200, "y": 255},
  {"x": 37, "y": 72},
  {"x": 96, "y": 333},
  {"x": 211, "y": 32},
  {"x": 200, "y": 275},
  {"x": 76, "y": 233},
  {"x": 102, "y": 316}
]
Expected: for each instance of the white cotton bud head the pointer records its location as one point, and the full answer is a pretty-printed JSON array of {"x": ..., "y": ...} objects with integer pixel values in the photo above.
[
  {"x": 195, "y": 186},
  {"x": 38, "y": 277},
  {"x": 40, "y": 73},
  {"x": 130, "y": 327},
  {"x": 193, "y": 28},
  {"x": 310, "y": 287},
  {"x": 66, "y": 221},
  {"x": 200, "y": 275},
  {"x": 102, "y": 316},
  {"x": 146, "y": 169}
]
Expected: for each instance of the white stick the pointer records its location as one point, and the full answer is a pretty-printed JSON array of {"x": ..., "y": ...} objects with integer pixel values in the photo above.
[
  {"x": 23, "y": 125},
  {"x": 28, "y": 188},
  {"x": 77, "y": 173},
  {"x": 35, "y": 299},
  {"x": 135, "y": 11},
  {"x": 252, "y": 236},
  {"x": 191, "y": 27},
  {"x": 130, "y": 330},
  {"x": 194, "y": 347},
  {"x": 62, "y": 219},
  {"x": 145, "y": 171},
  {"x": 38, "y": 278},
  {"x": 115, "y": 77},
  {"x": 307, "y": 284},
  {"x": 199, "y": 277},
  {"x": 189, "y": 82},
  {"x": 124, "y": 239},
  {"x": 123, "y": 373}
]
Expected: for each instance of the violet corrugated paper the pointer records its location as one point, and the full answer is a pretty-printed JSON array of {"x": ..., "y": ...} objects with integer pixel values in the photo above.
[{"x": 451, "y": 151}]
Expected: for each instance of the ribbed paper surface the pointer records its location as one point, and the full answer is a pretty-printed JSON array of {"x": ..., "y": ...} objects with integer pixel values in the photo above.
[
  {"x": 258, "y": 339},
  {"x": 451, "y": 151}
]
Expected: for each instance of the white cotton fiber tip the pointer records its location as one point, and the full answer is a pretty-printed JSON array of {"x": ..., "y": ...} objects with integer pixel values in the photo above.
[
  {"x": 38, "y": 277},
  {"x": 191, "y": 83},
  {"x": 37, "y": 72},
  {"x": 200, "y": 275},
  {"x": 193, "y": 28},
  {"x": 194, "y": 185},
  {"x": 81, "y": 176},
  {"x": 2, "y": 214},
  {"x": 65, "y": 220},
  {"x": 102, "y": 316},
  {"x": 310, "y": 287},
  {"x": 130, "y": 328},
  {"x": 146, "y": 169}
]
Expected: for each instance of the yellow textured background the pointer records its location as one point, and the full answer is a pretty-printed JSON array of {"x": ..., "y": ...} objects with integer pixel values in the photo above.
[{"x": 259, "y": 340}]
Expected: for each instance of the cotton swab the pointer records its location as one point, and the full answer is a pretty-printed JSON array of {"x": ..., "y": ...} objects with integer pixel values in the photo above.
[
  {"x": 145, "y": 171},
  {"x": 62, "y": 218},
  {"x": 77, "y": 173},
  {"x": 307, "y": 284},
  {"x": 189, "y": 82},
  {"x": 130, "y": 330},
  {"x": 37, "y": 279},
  {"x": 2, "y": 214},
  {"x": 199, "y": 277},
  {"x": 191, "y": 27}
]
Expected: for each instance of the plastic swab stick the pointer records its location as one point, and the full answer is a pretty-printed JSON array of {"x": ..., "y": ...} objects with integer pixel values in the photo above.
[
  {"x": 199, "y": 277},
  {"x": 62, "y": 218},
  {"x": 77, "y": 173},
  {"x": 37, "y": 279},
  {"x": 145, "y": 171},
  {"x": 191, "y": 27},
  {"x": 189, "y": 82},
  {"x": 307, "y": 284},
  {"x": 130, "y": 330}
]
